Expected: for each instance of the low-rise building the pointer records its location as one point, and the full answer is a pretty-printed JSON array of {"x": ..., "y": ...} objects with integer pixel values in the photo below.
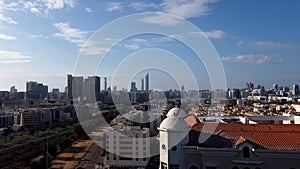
[{"x": 187, "y": 144}]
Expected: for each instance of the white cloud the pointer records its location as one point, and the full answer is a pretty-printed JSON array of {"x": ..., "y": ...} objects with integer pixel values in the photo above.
[
  {"x": 240, "y": 43},
  {"x": 34, "y": 10},
  {"x": 272, "y": 45},
  {"x": 114, "y": 6},
  {"x": 6, "y": 19},
  {"x": 251, "y": 58},
  {"x": 8, "y": 57},
  {"x": 33, "y": 6},
  {"x": 58, "y": 4},
  {"x": 70, "y": 34},
  {"x": 132, "y": 46},
  {"x": 7, "y": 37},
  {"x": 161, "y": 19},
  {"x": 139, "y": 6},
  {"x": 214, "y": 34},
  {"x": 187, "y": 8},
  {"x": 89, "y": 10},
  {"x": 39, "y": 36},
  {"x": 92, "y": 48}
]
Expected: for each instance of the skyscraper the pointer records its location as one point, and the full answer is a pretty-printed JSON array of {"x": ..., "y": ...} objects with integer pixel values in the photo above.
[
  {"x": 147, "y": 82},
  {"x": 133, "y": 87},
  {"x": 295, "y": 89},
  {"x": 69, "y": 86},
  {"x": 92, "y": 88},
  {"x": 105, "y": 83},
  {"x": 77, "y": 87},
  {"x": 142, "y": 85}
]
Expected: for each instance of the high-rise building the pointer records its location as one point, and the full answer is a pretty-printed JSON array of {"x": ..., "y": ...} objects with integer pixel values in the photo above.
[
  {"x": 275, "y": 86},
  {"x": 133, "y": 87},
  {"x": 249, "y": 86},
  {"x": 115, "y": 89},
  {"x": 142, "y": 85},
  {"x": 147, "y": 82},
  {"x": 92, "y": 88},
  {"x": 55, "y": 94},
  {"x": 36, "y": 90},
  {"x": 295, "y": 90},
  {"x": 105, "y": 83},
  {"x": 69, "y": 87},
  {"x": 13, "y": 89},
  {"x": 77, "y": 87}
]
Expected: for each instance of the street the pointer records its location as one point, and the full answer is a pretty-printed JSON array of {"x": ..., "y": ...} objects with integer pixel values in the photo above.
[{"x": 92, "y": 157}]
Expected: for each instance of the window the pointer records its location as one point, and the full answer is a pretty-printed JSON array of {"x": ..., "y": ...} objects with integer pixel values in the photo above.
[
  {"x": 164, "y": 165},
  {"x": 194, "y": 167},
  {"x": 246, "y": 152},
  {"x": 174, "y": 148},
  {"x": 163, "y": 147}
]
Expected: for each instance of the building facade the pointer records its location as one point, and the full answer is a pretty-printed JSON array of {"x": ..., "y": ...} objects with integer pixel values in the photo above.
[
  {"x": 127, "y": 147},
  {"x": 226, "y": 146}
]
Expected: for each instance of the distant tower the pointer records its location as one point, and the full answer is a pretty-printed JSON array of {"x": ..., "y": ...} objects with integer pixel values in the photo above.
[
  {"x": 275, "y": 86},
  {"x": 147, "y": 82},
  {"x": 133, "y": 87},
  {"x": 105, "y": 83},
  {"x": 13, "y": 89},
  {"x": 295, "y": 90},
  {"x": 142, "y": 85},
  {"x": 69, "y": 83},
  {"x": 173, "y": 133}
]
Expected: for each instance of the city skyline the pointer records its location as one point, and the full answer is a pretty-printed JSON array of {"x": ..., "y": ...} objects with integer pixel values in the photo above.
[
  {"x": 103, "y": 85},
  {"x": 257, "y": 41}
]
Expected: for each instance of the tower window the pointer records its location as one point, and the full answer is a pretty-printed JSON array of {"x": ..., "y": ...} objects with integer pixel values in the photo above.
[
  {"x": 163, "y": 147},
  {"x": 174, "y": 148},
  {"x": 246, "y": 152}
]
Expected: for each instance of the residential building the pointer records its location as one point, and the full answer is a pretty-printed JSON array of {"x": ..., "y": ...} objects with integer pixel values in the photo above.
[
  {"x": 36, "y": 91},
  {"x": 127, "y": 147}
]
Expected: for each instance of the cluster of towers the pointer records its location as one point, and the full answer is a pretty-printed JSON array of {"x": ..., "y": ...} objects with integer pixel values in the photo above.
[{"x": 133, "y": 87}]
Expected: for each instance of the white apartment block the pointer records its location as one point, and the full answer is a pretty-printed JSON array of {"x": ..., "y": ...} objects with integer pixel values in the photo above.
[{"x": 127, "y": 147}]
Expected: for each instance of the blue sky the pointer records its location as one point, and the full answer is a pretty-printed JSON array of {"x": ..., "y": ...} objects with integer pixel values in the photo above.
[{"x": 257, "y": 41}]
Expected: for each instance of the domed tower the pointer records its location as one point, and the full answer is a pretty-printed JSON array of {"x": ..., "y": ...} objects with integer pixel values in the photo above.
[{"x": 173, "y": 132}]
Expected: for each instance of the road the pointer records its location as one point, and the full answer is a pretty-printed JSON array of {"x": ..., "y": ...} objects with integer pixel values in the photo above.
[{"x": 93, "y": 157}]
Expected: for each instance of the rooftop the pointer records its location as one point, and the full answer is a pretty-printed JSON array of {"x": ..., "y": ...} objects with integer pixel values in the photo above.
[{"x": 267, "y": 136}]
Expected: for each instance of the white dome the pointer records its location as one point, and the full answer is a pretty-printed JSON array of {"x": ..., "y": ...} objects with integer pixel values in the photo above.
[
  {"x": 175, "y": 121},
  {"x": 176, "y": 112}
]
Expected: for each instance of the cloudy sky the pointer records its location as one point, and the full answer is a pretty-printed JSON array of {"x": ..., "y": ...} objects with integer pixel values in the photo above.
[{"x": 257, "y": 41}]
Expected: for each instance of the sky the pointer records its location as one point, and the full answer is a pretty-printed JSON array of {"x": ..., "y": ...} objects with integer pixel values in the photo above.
[{"x": 257, "y": 41}]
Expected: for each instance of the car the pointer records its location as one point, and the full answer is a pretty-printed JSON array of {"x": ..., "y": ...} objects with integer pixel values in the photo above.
[{"x": 84, "y": 159}]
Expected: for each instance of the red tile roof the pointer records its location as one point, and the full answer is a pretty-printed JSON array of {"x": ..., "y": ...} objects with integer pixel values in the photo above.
[{"x": 269, "y": 136}]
